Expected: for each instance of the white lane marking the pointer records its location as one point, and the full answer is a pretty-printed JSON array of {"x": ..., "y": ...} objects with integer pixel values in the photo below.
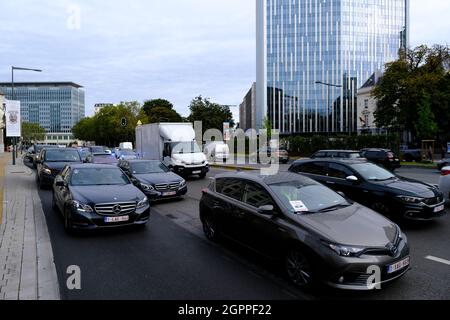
[{"x": 435, "y": 259}]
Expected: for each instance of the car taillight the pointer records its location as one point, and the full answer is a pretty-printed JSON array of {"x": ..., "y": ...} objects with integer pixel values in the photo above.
[{"x": 445, "y": 172}]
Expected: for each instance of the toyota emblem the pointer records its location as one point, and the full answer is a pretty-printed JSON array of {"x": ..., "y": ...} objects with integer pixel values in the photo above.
[{"x": 117, "y": 209}]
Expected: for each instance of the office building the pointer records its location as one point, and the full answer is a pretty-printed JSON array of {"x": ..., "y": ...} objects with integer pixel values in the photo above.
[
  {"x": 55, "y": 106},
  {"x": 247, "y": 110},
  {"x": 338, "y": 42}
]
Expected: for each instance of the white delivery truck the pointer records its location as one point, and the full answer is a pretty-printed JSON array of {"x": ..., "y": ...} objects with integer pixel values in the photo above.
[{"x": 175, "y": 145}]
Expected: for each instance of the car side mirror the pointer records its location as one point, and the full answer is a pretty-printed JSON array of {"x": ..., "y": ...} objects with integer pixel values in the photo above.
[
  {"x": 267, "y": 210},
  {"x": 342, "y": 194},
  {"x": 352, "y": 179}
]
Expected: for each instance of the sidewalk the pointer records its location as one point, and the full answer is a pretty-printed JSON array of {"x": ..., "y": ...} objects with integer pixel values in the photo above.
[{"x": 27, "y": 269}]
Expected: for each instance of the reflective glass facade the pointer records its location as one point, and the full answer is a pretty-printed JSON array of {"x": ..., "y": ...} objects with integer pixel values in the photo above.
[
  {"x": 57, "y": 107},
  {"x": 340, "y": 42}
]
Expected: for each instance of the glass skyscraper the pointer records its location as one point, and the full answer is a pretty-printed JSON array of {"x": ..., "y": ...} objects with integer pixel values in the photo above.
[
  {"x": 338, "y": 42},
  {"x": 55, "y": 106}
]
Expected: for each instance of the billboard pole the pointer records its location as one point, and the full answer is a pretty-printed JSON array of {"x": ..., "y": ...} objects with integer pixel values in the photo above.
[{"x": 13, "y": 98}]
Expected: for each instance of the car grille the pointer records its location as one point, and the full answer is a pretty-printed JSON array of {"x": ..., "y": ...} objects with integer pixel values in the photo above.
[
  {"x": 434, "y": 201},
  {"x": 167, "y": 186},
  {"x": 115, "y": 209}
]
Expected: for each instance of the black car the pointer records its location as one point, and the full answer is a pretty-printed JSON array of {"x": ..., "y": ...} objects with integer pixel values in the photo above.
[
  {"x": 384, "y": 157},
  {"x": 33, "y": 153},
  {"x": 320, "y": 235},
  {"x": 97, "y": 149},
  {"x": 154, "y": 179},
  {"x": 101, "y": 158},
  {"x": 337, "y": 154},
  {"x": 443, "y": 163},
  {"x": 91, "y": 196},
  {"x": 375, "y": 187},
  {"x": 50, "y": 163}
]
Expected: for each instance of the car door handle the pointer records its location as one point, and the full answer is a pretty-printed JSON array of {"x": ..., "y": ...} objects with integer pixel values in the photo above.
[{"x": 331, "y": 182}]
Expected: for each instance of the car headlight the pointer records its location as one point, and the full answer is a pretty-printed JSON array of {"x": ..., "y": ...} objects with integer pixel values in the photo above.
[
  {"x": 345, "y": 251},
  {"x": 143, "y": 203},
  {"x": 47, "y": 171},
  {"x": 147, "y": 187},
  {"x": 81, "y": 207},
  {"x": 411, "y": 200},
  {"x": 182, "y": 184}
]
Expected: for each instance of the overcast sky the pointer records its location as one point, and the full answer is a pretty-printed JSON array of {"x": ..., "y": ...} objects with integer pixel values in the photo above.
[{"x": 142, "y": 49}]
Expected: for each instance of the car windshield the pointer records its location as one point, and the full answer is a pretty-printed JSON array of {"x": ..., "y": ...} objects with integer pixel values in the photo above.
[
  {"x": 97, "y": 150},
  {"x": 63, "y": 155},
  {"x": 148, "y": 167},
  {"x": 303, "y": 199},
  {"x": 185, "y": 148},
  {"x": 99, "y": 177},
  {"x": 372, "y": 172}
]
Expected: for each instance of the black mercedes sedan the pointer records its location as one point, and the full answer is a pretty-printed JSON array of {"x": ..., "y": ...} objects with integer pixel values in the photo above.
[
  {"x": 93, "y": 196},
  {"x": 51, "y": 161},
  {"x": 321, "y": 236},
  {"x": 154, "y": 179},
  {"x": 394, "y": 196}
]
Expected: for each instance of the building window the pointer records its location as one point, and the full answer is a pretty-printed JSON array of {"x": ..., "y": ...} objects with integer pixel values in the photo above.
[{"x": 366, "y": 103}]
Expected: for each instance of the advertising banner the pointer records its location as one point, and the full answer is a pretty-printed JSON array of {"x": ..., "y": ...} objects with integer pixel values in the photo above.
[{"x": 13, "y": 120}]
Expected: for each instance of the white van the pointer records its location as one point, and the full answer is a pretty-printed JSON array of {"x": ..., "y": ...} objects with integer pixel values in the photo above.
[{"x": 217, "y": 151}]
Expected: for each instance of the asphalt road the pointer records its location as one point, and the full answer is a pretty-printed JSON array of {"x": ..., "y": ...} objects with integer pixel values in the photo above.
[{"x": 170, "y": 259}]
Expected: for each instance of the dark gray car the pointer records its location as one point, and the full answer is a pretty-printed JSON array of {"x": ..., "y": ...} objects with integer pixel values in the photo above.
[{"x": 320, "y": 235}]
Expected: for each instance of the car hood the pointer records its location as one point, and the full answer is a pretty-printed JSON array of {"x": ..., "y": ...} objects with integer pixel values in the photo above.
[
  {"x": 106, "y": 194},
  {"x": 355, "y": 225},
  {"x": 412, "y": 187},
  {"x": 58, "y": 165},
  {"x": 158, "y": 178}
]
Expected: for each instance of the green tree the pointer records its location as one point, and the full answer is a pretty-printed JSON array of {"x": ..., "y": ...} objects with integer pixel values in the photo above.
[
  {"x": 32, "y": 132},
  {"x": 426, "y": 126},
  {"x": 267, "y": 125},
  {"x": 160, "y": 110},
  {"x": 105, "y": 128},
  {"x": 420, "y": 72},
  {"x": 211, "y": 114}
]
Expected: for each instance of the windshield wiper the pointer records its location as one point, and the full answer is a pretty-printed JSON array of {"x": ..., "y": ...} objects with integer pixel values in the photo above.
[{"x": 337, "y": 206}]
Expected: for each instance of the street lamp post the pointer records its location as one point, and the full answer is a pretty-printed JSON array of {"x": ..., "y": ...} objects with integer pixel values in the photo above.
[
  {"x": 329, "y": 85},
  {"x": 13, "y": 98}
]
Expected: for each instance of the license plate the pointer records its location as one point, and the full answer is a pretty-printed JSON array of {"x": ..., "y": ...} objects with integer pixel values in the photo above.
[
  {"x": 399, "y": 266},
  {"x": 169, "y": 194},
  {"x": 439, "y": 209},
  {"x": 196, "y": 172},
  {"x": 117, "y": 219}
]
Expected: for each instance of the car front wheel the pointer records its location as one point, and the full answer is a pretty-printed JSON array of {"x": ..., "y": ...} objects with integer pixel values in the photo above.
[{"x": 299, "y": 269}]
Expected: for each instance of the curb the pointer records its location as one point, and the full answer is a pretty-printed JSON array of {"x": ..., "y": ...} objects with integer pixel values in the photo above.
[{"x": 233, "y": 167}]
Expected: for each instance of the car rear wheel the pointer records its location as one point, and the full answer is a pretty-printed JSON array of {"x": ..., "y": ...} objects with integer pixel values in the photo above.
[
  {"x": 210, "y": 228},
  {"x": 299, "y": 269}
]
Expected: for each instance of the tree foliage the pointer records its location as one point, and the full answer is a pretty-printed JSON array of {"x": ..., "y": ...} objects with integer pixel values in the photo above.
[
  {"x": 32, "y": 132},
  {"x": 105, "y": 128},
  {"x": 160, "y": 110},
  {"x": 211, "y": 114},
  {"x": 415, "y": 90}
]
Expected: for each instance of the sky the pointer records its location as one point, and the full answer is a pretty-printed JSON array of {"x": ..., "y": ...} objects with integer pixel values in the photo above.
[{"x": 144, "y": 49}]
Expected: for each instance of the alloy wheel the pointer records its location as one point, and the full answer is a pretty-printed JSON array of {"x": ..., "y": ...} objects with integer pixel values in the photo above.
[
  {"x": 210, "y": 228},
  {"x": 299, "y": 269}
]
